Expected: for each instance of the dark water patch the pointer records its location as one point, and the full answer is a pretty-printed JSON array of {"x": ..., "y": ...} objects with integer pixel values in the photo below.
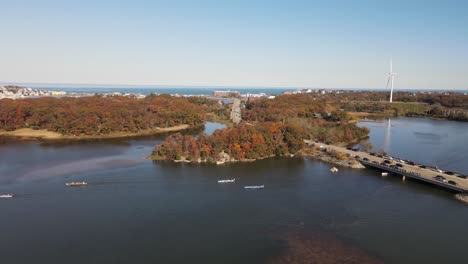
[{"x": 321, "y": 248}]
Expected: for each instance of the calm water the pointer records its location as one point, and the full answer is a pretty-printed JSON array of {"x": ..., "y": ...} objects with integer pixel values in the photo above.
[
  {"x": 434, "y": 142},
  {"x": 138, "y": 211}
]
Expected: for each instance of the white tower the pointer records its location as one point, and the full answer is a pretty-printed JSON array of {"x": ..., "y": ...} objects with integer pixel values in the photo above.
[{"x": 391, "y": 76}]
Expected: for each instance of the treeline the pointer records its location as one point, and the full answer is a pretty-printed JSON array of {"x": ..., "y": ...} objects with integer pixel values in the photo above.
[
  {"x": 216, "y": 107},
  {"x": 286, "y": 107},
  {"x": 451, "y": 114},
  {"x": 405, "y": 109},
  {"x": 99, "y": 115},
  {"x": 319, "y": 119},
  {"x": 447, "y": 105},
  {"x": 241, "y": 143},
  {"x": 445, "y": 99}
]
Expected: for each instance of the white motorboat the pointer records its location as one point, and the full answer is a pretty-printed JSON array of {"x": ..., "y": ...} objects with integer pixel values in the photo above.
[
  {"x": 384, "y": 173},
  {"x": 227, "y": 181},
  {"x": 334, "y": 169},
  {"x": 73, "y": 184},
  {"x": 5, "y": 196}
]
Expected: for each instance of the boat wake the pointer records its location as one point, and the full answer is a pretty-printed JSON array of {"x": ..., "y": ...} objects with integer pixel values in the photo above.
[
  {"x": 227, "y": 181},
  {"x": 462, "y": 197},
  {"x": 254, "y": 187}
]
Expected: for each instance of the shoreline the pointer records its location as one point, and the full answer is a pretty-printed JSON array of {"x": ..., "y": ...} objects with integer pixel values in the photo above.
[
  {"x": 306, "y": 152},
  {"x": 379, "y": 117},
  {"x": 43, "y": 134}
]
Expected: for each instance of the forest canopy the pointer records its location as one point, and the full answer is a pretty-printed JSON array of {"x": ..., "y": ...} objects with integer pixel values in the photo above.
[{"x": 99, "y": 115}]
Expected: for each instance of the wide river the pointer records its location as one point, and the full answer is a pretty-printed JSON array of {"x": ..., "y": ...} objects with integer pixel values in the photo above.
[{"x": 139, "y": 211}]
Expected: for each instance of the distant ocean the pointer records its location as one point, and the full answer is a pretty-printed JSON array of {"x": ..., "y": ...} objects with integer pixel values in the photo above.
[
  {"x": 164, "y": 90},
  {"x": 185, "y": 90}
]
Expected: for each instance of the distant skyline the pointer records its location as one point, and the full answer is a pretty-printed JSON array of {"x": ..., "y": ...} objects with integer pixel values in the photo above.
[{"x": 316, "y": 44}]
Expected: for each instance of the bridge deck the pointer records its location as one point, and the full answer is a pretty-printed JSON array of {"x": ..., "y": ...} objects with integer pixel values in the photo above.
[{"x": 411, "y": 171}]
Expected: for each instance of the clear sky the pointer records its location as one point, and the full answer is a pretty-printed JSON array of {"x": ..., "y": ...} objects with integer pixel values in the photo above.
[{"x": 328, "y": 44}]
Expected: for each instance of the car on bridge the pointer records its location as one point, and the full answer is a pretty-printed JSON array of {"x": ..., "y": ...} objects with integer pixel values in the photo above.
[
  {"x": 440, "y": 178},
  {"x": 452, "y": 183}
]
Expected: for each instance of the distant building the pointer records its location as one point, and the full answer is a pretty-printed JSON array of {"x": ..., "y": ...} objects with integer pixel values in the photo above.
[
  {"x": 300, "y": 91},
  {"x": 251, "y": 95},
  {"x": 226, "y": 94}
]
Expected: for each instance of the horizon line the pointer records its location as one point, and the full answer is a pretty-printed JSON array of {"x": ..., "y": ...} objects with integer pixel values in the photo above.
[{"x": 175, "y": 86}]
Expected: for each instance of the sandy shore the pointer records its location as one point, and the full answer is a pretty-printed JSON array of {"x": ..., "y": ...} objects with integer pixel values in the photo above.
[{"x": 45, "y": 134}]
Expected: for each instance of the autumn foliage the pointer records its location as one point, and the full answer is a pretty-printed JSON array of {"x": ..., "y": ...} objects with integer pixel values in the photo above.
[
  {"x": 286, "y": 108},
  {"x": 319, "y": 119},
  {"x": 241, "y": 143},
  {"x": 99, "y": 115},
  {"x": 275, "y": 127}
]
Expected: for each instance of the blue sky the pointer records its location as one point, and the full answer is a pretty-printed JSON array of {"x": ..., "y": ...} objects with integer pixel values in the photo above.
[{"x": 328, "y": 44}]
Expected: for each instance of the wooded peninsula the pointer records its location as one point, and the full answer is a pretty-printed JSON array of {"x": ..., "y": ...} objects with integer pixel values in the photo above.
[
  {"x": 99, "y": 116},
  {"x": 270, "y": 127}
]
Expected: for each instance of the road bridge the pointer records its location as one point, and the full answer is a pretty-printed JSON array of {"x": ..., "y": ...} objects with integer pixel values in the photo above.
[{"x": 453, "y": 181}]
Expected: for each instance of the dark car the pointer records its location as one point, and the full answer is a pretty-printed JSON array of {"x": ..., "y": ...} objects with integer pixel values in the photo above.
[
  {"x": 422, "y": 166},
  {"x": 357, "y": 157},
  {"x": 366, "y": 159},
  {"x": 439, "y": 178},
  {"x": 411, "y": 163},
  {"x": 349, "y": 148},
  {"x": 399, "y": 165},
  {"x": 452, "y": 182},
  {"x": 449, "y": 173},
  {"x": 372, "y": 154},
  {"x": 461, "y": 176},
  {"x": 388, "y": 161}
]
